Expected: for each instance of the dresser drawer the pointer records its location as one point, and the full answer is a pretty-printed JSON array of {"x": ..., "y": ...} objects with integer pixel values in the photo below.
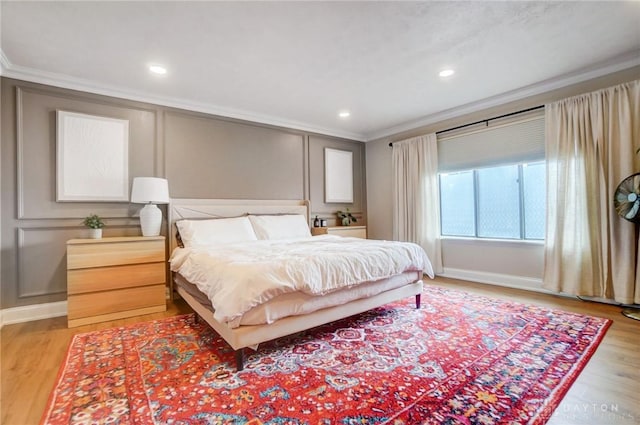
[
  {"x": 317, "y": 231},
  {"x": 114, "y": 277},
  {"x": 119, "y": 300},
  {"x": 114, "y": 253},
  {"x": 349, "y": 231}
]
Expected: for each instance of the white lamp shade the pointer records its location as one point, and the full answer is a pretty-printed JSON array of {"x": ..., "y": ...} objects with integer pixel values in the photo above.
[{"x": 150, "y": 190}]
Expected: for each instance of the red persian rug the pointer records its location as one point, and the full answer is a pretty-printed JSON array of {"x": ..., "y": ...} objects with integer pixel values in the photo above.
[{"x": 460, "y": 359}]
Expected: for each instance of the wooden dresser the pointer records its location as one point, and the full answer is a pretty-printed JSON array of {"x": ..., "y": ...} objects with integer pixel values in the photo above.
[
  {"x": 352, "y": 231},
  {"x": 113, "y": 278}
]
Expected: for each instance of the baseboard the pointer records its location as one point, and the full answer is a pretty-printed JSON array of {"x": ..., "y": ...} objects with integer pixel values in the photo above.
[
  {"x": 509, "y": 281},
  {"x": 32, "y": 312}
]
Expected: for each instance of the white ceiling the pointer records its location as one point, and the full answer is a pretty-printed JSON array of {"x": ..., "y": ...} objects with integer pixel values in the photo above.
[{"x": 297, "y": 64}]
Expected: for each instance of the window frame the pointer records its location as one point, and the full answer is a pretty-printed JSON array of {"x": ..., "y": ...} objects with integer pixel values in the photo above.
[{"x": 521, "y": 208}]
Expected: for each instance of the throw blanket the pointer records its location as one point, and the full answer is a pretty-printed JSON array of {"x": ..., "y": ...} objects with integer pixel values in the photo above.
[{"x": 237, "y": 277}]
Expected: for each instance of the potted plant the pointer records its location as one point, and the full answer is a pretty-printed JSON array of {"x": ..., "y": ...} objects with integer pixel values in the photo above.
[
  {"x": 95, "y": 225},
  {"x": 346, "y": 217}
]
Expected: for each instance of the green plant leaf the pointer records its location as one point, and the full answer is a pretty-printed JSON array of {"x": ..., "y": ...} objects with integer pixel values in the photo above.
[{"x": 93, "y": 222}]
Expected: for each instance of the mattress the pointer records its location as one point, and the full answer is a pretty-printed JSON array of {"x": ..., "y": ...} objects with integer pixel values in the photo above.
[{"x": 300, "y": 303}]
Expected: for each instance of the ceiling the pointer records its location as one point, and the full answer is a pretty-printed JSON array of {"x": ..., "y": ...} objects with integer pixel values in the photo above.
[{"x": 297, "y": 64}]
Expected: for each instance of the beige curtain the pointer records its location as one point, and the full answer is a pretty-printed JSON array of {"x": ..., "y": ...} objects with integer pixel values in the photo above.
[
  {"x": 591, "y": 143},
  {"x": 416, "y": 204}
]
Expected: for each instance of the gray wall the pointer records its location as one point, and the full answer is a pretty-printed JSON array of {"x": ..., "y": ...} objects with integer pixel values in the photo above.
[
  {"x": 202, "y": 156},
  {"x": 509, "y": 263},
  {"x": 316, "y": 173}
]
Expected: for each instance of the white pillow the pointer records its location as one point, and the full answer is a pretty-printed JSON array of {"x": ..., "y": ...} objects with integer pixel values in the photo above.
[
  {"x": 293, "y": 226},
  {"x": 215, "y": 231}
]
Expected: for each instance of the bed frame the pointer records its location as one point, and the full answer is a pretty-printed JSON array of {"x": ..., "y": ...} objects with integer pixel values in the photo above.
[{"x": 250, "y": 336}]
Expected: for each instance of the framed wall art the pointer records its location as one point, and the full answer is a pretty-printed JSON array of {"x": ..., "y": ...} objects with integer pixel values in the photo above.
[
  {"x": 92, "y": 158},
  {"x": 338, "y": 176}
]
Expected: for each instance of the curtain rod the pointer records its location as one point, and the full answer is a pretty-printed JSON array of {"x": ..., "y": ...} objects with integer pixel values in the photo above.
[{"x": 486, "y": 120}]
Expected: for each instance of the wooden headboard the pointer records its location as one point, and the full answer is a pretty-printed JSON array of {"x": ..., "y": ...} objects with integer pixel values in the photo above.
[{"x": 180, "y": 209}]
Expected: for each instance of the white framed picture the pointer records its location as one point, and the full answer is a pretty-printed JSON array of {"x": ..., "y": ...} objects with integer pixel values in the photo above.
[
  {"x": 338, "y": 176},
  {"x": 92, "y": 158}
]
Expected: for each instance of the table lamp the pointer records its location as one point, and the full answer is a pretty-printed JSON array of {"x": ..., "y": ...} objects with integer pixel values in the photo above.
[{"x": 150, "y": 191}]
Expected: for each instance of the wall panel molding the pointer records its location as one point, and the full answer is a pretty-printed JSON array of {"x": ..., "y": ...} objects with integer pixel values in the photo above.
[
  {"x": 84, "y": 97},
  {"x": 45, "y": 246},
  {"x": 141, "y": 146},
  {"x": 306, "y": 183},
  {"x": 209, "y": 157},
  {"x": 202, "y": 156},
  {"x": 29, "y": 277},
  {"x": 316, "y": 168},
  {"x": 19, "y": 154}
]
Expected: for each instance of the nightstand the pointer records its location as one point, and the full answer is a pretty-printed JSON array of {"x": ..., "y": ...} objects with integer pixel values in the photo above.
[
  {"x": 352, "y": 231},
  {"x": 113, "y": 278}
]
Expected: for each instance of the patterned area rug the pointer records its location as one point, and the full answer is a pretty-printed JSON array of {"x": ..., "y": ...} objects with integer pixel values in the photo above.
[{"x": 460, "y": 359}]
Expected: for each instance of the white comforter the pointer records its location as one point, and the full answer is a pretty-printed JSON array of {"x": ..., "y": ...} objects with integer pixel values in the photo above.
[{"x": 237, "y": 277}]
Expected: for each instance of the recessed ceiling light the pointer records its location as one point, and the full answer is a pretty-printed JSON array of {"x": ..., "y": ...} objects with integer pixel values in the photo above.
[
  {"x": 446, "y": 73},
  {"x": 158, "y": 69},
  {"x": 344, "y": 114}
]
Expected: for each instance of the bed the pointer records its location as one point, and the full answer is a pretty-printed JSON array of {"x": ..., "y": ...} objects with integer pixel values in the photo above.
[{"x": 274, "y": 312}]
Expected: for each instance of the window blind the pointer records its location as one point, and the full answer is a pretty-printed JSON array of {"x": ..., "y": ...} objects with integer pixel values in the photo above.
[{"x": 521, "y": 141}]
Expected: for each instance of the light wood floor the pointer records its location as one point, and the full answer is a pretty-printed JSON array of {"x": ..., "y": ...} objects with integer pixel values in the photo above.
[{"x": 607, "y": 391}]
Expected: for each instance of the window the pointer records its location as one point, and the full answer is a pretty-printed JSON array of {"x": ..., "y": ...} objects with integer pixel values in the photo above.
[
  {"x": 492, "y": 181},
  {"x": 534, "y": 200},
  {"x": 502, "y": 202},
  {"x": 457, "y": 204}
]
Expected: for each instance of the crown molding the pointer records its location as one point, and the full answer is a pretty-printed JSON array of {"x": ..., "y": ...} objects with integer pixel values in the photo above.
[
  {"x": 5, "y": 64},
  {"x": 10, "y": 70},
  {"x": 620, "y": 63}
]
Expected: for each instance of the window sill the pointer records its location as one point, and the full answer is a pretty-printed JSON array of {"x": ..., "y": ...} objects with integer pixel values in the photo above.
[{"x": 493, "y": 241}]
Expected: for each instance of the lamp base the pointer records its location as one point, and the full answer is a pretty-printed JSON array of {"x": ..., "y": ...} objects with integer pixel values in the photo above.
[{"x": 150, "y": 220}]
